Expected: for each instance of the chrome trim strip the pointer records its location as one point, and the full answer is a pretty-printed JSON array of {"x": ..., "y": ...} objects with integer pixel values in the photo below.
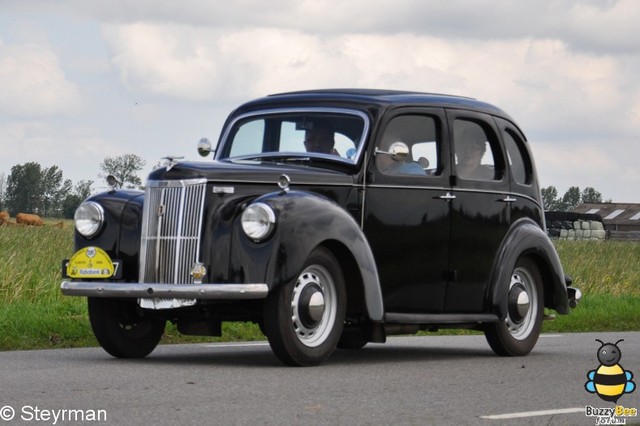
[
  {"x": 454, "y": 190},
  {"x": 147, "y": 290}
]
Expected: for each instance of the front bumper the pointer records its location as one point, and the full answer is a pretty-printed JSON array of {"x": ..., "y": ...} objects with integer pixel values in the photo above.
[{"x": 155, "y": 290}]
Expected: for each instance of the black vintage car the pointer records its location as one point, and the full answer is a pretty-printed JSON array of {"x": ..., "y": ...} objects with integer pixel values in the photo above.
[{"x": 331, "y": 218}]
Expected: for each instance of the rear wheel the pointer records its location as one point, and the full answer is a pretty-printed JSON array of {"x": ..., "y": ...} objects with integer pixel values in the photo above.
[
  {"x": 303, "y": 319},
  {"x": 121, "y": 330},
  {"x": 519, "y": 332}
]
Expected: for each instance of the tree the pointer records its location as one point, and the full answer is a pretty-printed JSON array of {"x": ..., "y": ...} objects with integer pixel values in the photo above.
[
  {"x": 571, "y": 198},
  {"x": 71, "y": 202},
  {"x": 550, "y": 198},
  {"x": 54, "y": 191},
  {"x": 590, "y": 195},
  {"x": 31, "y": 189},
  {"x": 24, "y": 192},
  {"x": 124, "y": 168},
  {"x": 3, "y": 184}
]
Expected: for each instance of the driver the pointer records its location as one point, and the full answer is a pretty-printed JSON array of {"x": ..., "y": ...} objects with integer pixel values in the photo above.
[{"x": 320, "y": 138}]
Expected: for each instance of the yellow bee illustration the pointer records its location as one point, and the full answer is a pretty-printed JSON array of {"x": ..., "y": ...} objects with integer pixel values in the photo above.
[{"x": 609, "y": 381}]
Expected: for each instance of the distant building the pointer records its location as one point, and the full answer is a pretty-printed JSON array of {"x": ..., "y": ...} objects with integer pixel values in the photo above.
[{"x": 621, "y": 220}]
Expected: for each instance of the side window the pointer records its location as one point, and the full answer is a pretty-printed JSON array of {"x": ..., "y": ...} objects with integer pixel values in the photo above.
[
  {"x": 519, "y": 161},
  {"x": 418, "y": 133},
  {"x": 475, "y": 157}
]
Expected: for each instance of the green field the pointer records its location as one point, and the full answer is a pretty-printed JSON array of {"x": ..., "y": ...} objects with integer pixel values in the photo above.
[{"x": 34, "y": 314}]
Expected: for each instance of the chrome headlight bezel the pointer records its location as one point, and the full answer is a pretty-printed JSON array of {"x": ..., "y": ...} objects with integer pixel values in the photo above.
[
  {"x": 89, "y": 219},
  {"x": 258, "y": 221}
]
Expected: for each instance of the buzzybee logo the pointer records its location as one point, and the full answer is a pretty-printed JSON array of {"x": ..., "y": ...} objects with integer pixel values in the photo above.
[{"x": 610, "y": 381}]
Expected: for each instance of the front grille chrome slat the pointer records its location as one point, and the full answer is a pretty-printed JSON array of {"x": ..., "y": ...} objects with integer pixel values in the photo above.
[{"x": 171, "y": 229}]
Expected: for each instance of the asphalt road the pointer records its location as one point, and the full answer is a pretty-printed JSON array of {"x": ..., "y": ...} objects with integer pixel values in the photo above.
[{"x": 438, "y": 380}]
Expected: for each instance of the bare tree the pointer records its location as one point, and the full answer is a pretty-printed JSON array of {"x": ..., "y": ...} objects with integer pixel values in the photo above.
[{"x": 124, "y": 168}]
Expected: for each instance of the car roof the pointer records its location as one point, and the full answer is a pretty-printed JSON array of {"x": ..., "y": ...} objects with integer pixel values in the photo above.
[{"x": 380, "y": 97}]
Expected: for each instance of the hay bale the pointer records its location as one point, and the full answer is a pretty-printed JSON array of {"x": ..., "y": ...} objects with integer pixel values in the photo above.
[
  {"x": 597, "y": 226},
  {"x": 599, "y": 234}
]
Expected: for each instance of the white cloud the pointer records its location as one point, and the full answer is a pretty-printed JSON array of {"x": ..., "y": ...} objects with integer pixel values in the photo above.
[
  {"x": 566, "y": 70},
  {"x": 32, "y": 82}
]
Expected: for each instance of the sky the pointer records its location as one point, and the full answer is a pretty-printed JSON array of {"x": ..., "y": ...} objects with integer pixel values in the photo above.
[{"x": 84, "y": 80}]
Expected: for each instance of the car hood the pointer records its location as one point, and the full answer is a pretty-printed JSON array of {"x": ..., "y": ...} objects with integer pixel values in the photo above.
[{"x": 252, "y": 172}]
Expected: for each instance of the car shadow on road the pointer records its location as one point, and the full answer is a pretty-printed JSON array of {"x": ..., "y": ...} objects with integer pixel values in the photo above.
[{"x": 259, "y": 355}]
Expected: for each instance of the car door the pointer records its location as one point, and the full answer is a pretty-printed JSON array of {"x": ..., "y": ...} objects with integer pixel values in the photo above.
[
  {"x": 524, "y": 187},
  {"x": 480, "y": 209},
  {"x": 406, "y": 220}
]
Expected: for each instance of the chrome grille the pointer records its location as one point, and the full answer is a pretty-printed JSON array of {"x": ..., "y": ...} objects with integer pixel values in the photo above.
[{"x": 171, "y": 228}]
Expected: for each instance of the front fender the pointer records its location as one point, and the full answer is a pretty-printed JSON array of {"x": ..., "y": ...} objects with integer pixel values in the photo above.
[
  {"x": 305, "y": 221},
  {"x": 527, "y": 238},
  {"x": 120, "y": 236}
]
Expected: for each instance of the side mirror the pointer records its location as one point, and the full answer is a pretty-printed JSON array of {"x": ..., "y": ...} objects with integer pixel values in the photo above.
[{"x": 204, "y": 147}]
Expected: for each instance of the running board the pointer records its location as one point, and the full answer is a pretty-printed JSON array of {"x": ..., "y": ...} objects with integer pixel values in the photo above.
[{"x": 402, "y": 318}]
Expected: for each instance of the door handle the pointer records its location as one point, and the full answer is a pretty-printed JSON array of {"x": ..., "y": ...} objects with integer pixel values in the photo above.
[
  {"x": 509, "y": 199},
  {"x": 448, "y": 196}
]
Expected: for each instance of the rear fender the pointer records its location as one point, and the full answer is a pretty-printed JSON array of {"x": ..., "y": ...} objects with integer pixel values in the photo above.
[{"x": 526, "y": 238}]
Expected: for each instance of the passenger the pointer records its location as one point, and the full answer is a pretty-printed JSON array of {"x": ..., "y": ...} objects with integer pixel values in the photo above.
[
  {"x": 471, "y": 145},
  {"x": 387, "y": 163}
]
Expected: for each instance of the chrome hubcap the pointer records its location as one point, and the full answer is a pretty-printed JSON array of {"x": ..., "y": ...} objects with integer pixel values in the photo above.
[
  {"x": 313, "y": 306},
  {"x": 519, "y": 303},
  {"x": 522, "y": 304},
  {"x": 316, "y": 306}
]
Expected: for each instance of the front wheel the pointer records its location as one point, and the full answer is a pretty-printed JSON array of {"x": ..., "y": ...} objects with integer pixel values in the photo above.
[
  {"x": 519, "y": 332},
  {"x": 121, "y": 330},
  {"x": 303, "y": 319}
]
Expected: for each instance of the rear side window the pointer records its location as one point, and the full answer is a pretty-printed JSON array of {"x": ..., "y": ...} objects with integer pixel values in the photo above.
[
  {"x": 475, "y": 154},
  {"x": 519, "y": 161}
]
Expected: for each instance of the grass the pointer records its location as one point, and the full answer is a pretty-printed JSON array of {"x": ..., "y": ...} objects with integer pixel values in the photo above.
[{"x": 34, "y": 314}]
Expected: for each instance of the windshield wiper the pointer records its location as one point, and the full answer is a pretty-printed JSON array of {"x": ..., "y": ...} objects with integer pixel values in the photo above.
[{"x": 272, "y": 158}]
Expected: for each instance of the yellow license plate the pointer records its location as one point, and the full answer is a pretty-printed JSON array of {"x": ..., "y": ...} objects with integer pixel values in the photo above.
[{"x": 90, "y": 262}]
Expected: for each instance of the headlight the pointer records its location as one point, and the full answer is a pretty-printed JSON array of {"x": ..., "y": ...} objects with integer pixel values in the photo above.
[
  {"x": 89, "y": 218},
  {"x": 258, "y": 220}
]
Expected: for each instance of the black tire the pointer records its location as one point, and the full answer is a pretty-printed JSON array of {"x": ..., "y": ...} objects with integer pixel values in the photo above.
[
  {"x": 519, "y": 332},
  {"x": 120, "y": 329},
  {"x": 300, "y": 332}
]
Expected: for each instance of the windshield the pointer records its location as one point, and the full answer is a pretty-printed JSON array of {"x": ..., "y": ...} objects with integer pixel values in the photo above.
[{"x": 327, "y": 133}]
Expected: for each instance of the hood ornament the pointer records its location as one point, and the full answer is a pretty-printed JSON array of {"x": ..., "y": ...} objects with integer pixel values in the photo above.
[{"x": 172, "y": 160}]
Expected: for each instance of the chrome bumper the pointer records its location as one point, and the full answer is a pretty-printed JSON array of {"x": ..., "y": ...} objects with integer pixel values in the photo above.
[{"x": 178, "y": 291}]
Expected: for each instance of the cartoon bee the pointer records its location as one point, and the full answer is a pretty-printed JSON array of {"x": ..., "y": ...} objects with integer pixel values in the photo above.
[{"x": 610, "y": 380}]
